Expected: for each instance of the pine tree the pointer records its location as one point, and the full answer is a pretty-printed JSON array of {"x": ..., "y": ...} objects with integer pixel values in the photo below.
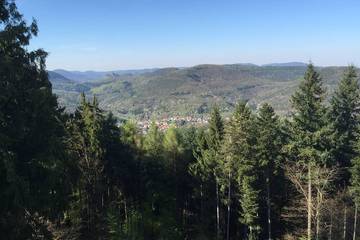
[
  {"x": 33, "y": 182},
  {"x": 172, "y": 147},
  {"x": 208, "y": 157},
  {"x": 269, "y": 147},
  {"x": 308, "y": 103},
  {"x": 355, "y": 184},
  {"x": 344, "y": 117},
  {"x": 215, "y": 137},
  {"x": 201, "y": 174},
  {"x": 306, "y": 144},
  {"x": 239, "y": 154},
  {"x": 153, "y": 141},
  {"x": 172, "y": 150},
  {"x": 216, "y": 129},
  {"x": 86, "y": 142},
  {"x": 131, "y": 135}
]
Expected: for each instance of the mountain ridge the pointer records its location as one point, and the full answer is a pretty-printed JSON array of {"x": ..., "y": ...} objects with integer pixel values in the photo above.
[
  {"x": 192, "y": 90},
  {"x": 89, "y": 75}
]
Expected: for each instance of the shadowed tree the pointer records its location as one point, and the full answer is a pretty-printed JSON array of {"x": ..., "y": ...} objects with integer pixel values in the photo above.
[
  {"x": 269, "y": 153},
  {"x": 33, "y": 182}
]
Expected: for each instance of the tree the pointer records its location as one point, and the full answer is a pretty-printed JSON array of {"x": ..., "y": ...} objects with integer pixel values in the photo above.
[
  {"x": 208, "y": 156},
  {"x": 355, "y": 185},
  {"x": 203, "y": 175},
  {"x": 239, "y": 142},
  {"x": 153, "y": 141},
  {"x": 269, "y": 151},
  {"x": 33, "y": 181},
  {"x": 173, "y": 149},
  {"x": 322, "y": 179},
  {"x": 215, "y": 137},
  {"x": 86, "y": 143},
  {"x": 307, "y": 128},
  {"x": 131, "y": 135},
  {"x": 343, "y": 117}
]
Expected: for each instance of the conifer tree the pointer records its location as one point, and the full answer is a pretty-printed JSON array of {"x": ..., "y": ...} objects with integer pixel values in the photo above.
[
  {"x": 208, "y": 156},
  {"x": 344, "y": 118},
  {"x": 239, "y": 152},
  {"x": 269, "y": 147},
  {"x": 131, "y": 135},
  {"x": 355, "y": 184},
  {"x": 153, "y": 141},
  {"x": 307, "y": 130},
  {"x": 33, "y": 182},
  {"x": 173, "y": 149},
  {"x": 214, "y": 139},
  {"x": 86, "y": 128},
  {"x": 203, "y": 176}
]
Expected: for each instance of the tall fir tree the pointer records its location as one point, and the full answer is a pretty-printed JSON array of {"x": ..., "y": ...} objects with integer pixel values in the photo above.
[
  {"x": 355, "y": 185},
  {"x": 202, "y": 174},
  {"x": 269, "y": 153},
  {"x": 344, "y": 121},
  {"x": 214, "y": 139},
  {"x": 307, "y": 130},
  {"x": 173, "y": 149},
  {"x": 239, "y": 154},
  {"x": 86, "y": 143},
  {"x": 208, "y": 156}
]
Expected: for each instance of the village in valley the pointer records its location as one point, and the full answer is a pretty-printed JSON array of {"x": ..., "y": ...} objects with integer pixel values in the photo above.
[{"x": 177, "y": 121}]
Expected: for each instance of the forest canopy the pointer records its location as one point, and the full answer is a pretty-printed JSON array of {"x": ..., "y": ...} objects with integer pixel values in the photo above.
[{"x": 256, "y": 175}]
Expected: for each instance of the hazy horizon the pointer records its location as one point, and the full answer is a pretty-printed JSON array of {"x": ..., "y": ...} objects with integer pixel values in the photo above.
[{"x": 155, "y": 67}]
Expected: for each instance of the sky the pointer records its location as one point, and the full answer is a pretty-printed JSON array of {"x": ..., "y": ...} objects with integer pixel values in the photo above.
[{"x": 134, "y": 34}]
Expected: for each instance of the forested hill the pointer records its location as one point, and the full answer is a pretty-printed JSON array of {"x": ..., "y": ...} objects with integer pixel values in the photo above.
[{"x": 190, "y": 91}]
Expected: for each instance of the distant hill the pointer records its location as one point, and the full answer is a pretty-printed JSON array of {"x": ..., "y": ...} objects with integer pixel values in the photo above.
[
  {"x": 86, "y": 76},
  {"x": 58, "y": 78},
  {"x": 288, "y": 64},
  {"x": 193, "y": 90}
]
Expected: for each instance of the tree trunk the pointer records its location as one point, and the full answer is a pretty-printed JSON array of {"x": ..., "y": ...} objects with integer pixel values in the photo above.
[
  {"x": 268, "y": 203},
  {"x": 345, "y": 223},
  {"x": 317, "y": 224},
  {"x": 331, "y": 226},
  {"x": 228, "y": 208},
  {"x": 355, "y": 222},
  {"x": 317, "y": 214},
  {"x": 309, "y": 203},
  {"x": 217, "y": 210},
  {"x": 125, "y": 211},
  {"x": 201, "y": 204}
]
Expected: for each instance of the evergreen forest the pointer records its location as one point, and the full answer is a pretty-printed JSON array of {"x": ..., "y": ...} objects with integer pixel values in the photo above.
[{"x": 253, "y": 175}]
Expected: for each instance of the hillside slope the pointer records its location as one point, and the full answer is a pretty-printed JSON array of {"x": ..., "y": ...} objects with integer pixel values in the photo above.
[{"x": 192, "y": 91}]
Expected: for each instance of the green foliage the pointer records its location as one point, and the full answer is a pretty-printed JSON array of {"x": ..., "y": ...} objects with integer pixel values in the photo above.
[
  {"x": 131, "y": 134},
  {"x": 307, "y": 136},
  {"x": 153, "y": 141},
  {"x": 82, "y": 176},
  {"x": 86, "y": 130},
  {"x": 308, "y": 102},
  {"x": 355, "y": 180},
  {"x": 343, "y": 117},
  {"x": 244, "y": 138},
  {"x": 33, "y": 180},
  {"x": 269, "y": 146}
]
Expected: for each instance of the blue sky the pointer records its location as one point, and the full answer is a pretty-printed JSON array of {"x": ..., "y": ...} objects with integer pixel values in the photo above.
[{"x": 119, "y": 34}]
